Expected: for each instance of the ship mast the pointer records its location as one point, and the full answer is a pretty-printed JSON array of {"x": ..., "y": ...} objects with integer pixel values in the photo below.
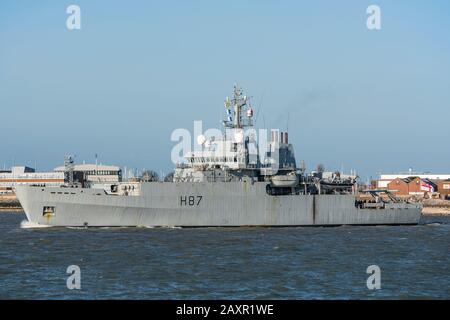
[
  {"x": 239, "y": 110},
  {"x": 239, "y": 116}
]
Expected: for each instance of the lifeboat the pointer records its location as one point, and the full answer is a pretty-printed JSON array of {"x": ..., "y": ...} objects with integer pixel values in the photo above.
[{"x": 283, "y": 181}]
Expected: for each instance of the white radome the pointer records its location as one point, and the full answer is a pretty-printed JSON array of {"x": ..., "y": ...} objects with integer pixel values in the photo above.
[{"x": 201, "y": 139}]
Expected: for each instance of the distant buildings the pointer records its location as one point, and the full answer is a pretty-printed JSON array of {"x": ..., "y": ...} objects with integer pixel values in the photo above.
[
  {"x": 24, "y": 175},
  {"x": 411, "y": 186},
  {"x": 443, "y": 187},
  {"x": 415, "y": 184},
  {"x": 83, "y": 173},
  {"x": 386, "y": 178}
]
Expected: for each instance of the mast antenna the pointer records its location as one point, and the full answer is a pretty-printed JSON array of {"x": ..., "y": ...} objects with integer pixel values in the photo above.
[
  {"x": 287, "y": 122},
  {"x": 69, "y": 168},
  {"x": 239, "y": 110}
]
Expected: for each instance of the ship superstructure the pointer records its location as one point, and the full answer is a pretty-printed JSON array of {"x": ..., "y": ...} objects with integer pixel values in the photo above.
[{"x": 236, "y": 153}]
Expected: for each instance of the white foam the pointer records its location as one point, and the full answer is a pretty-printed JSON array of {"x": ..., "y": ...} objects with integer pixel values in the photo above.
[
  {"x": 433, "y": 224},
  {"x": 25, "y": 224},
  {"x": 145, "y": 227}
]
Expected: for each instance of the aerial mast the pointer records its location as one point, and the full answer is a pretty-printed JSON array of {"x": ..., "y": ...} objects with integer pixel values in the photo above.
[
  {"x": 68, "y": 169},
  {"x": 239, "y": 110}
]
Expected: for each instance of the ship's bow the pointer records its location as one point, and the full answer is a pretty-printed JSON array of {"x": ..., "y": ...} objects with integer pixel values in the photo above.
[{"x": 23, "y": 195}]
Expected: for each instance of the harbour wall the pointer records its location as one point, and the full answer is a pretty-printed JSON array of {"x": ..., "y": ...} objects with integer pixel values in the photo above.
[{"x": 9, "y": 202}]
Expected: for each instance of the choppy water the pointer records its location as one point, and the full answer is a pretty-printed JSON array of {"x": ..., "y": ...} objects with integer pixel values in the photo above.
[{"x": 225, "y": 263}]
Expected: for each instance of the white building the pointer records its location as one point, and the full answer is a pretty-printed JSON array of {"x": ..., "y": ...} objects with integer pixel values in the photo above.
[
  {"x": 22, "y": 175},
  {"x": 90, "y": 173}
]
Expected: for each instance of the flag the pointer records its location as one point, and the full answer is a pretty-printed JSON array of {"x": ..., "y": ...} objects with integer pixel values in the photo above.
[{"x": 424, "y": 186}]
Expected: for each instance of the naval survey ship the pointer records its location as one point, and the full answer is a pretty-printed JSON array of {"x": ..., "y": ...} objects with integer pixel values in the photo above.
[{"x": 226, "y": 181}]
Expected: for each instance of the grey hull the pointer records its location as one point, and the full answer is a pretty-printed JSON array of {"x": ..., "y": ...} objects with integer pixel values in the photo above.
[{"x": 204, "y": 204}]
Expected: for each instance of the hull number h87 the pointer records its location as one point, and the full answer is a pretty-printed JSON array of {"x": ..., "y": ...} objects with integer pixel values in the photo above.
[{"x": 190, "y": 200}]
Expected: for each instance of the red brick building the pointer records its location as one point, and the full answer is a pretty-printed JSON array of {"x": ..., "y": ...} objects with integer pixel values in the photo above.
[
  {"x": 411, "y": 186},
  {"x": 443, "y": 187}
]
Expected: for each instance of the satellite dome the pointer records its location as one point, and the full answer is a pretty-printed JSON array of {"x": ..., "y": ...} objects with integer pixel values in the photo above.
[{"x": 201, "y": 139}]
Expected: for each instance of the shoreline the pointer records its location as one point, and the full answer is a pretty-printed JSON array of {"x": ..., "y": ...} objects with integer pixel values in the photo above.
[
  {"x": 11, "y": 210},
  {"x": 433, "y": 211}
]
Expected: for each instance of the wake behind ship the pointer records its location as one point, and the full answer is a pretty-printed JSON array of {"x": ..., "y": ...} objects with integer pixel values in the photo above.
[{"x": 232, "y": 180}]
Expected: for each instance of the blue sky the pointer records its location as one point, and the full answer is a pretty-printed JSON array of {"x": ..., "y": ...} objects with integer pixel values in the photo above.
[{"x": 364, "y": 100}]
